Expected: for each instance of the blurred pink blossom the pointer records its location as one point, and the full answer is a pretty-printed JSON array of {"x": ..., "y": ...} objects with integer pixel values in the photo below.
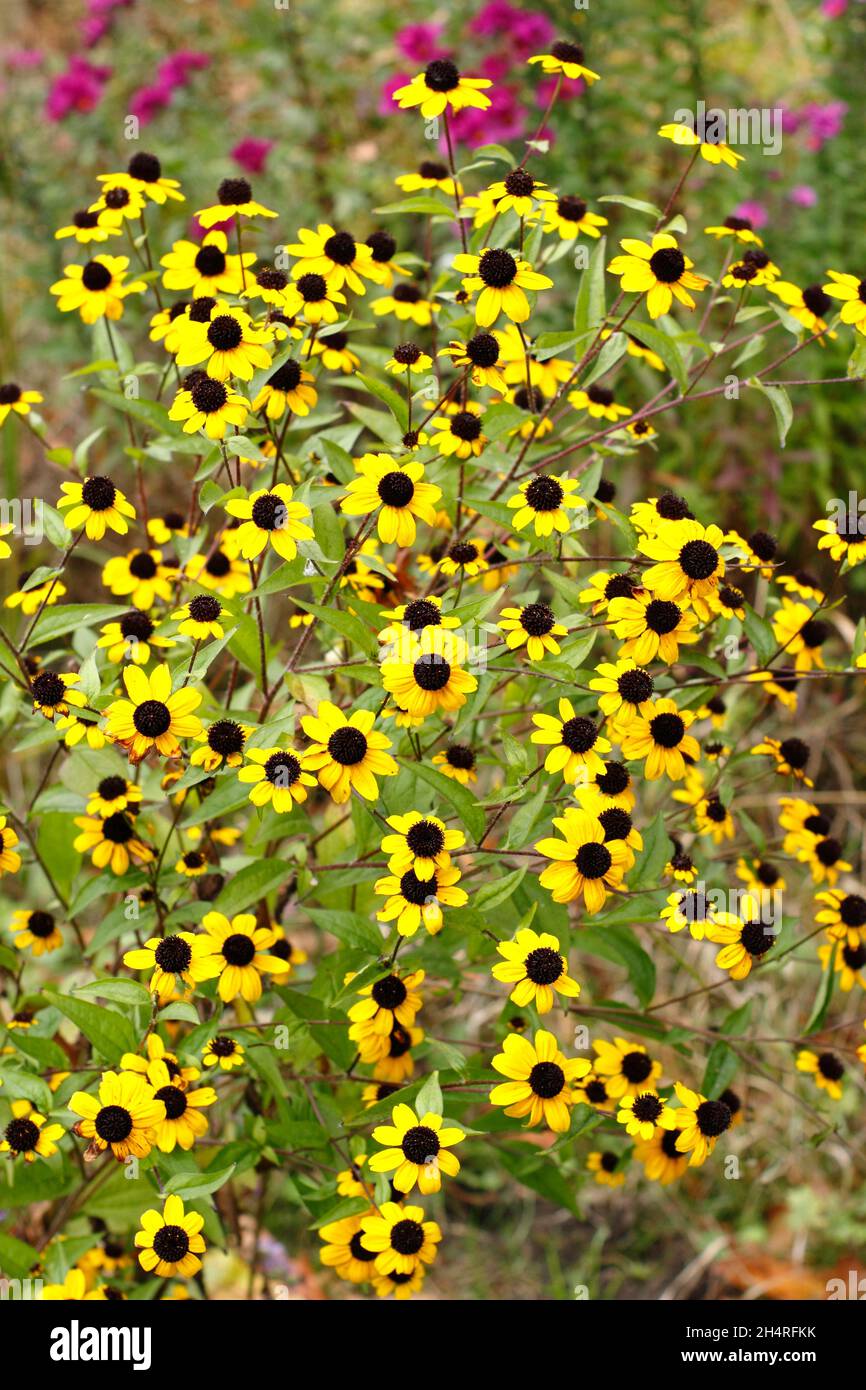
[
  {"x": 79, "y": 88},
  {"x": 420, "y": 43},
  {"x": 755, "y": 213},
  {"x": 803, "y": 195},
  {"x": 19, "y": 59},
  {"x": 526, "y": 31},
  {"x": 251, "y": 154}
]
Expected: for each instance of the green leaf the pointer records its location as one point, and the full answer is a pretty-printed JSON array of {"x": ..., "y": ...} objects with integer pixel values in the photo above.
[
  {"x": 634, "y": 203},
  {"x": 389, "y": 397},
  {"x": 17, "y": 1258},
  {"x": 589, "y": 306},
  {"x": 253, "y": 883},
  {"x": 824, "y": 995},
  {"x": 349, "y": 927},
  {"x": 70, "y": 617},
  {"x": 659, "y": 341},
  {"x": 429, "y": 1098},
  {"x": 781, "y": 403},
  {"x": 760, "y": 634},
  {"x": 110, "y": 1033},
  {"x": 24, "y": 1085},
  {"x": 200, "y": 1184},
  {"x": 657, "y": 850},
  {"x": 463, "y": 802},
  {"x": 490, "y": 895}
]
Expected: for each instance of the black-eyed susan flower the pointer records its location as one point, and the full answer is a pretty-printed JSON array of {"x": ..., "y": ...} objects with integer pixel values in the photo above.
[
  {"x": 763, "y": 878},
  {"x": 206, "y": 268},
  {"x": 241, "y": 950},
  {"x": 662, "y": 1160},
  {"x": 122, "y": 1116},
  {"x": 10, "y": 860},
  {"x": 713, "y": 818},
  {"x": 459, "y": 762},
  {"x": 408, "y": 360},
  {"x": 414, "y": 617},
  {"x": 691, "y": 908},
  {"x": 701, "y": 1121},
  {"x": 288, "y": 388},
  {"x": 843, "y": 914},
  {"x": 626, "y": 691},
  {"x": 400, "y": 1238},
  {"x": 234, "y": 199},
  {"x": 184, "y": 1122},
  {"x": 408, "y": 304},
  {"x": 599, "y": 403},
  {"x": 334, "y": 255},
  {"x": 540, "y": 1080},
  {"x": 644, "y": 1113},
  {"x": 605, "y": 1168},
  {"x": 153, "y": 716},
  {"x": 640, "y": 430},
  {"x": 823, "y": 854},
  {"x": 221, "y": 568},
  {"x": 658, "y": 269},
  {"x": 848, "y": 962},
  {"x": 425, "y": 673},
  {"x": 570, "y": 217},
  {"x": 534, "y": 964},
  {"x": 170, "y": 1242},
  {"x": 97, "y": 505},
  {"x": 533, "y": 626},
  {"x": 420, "y": 842},
  {"x": 396, "y": 491},
  {"x": 810, "y": 306},
  {"x": 223, "y": 1052},
  {"x": 575, "y": 743},
  {"x": 743, "y": 942},
  {"x": 651, "y": 628},
  {"x": 335, "y": 353},
  {"x": 603, "y": 586},
  {"x": 727, "y": 601},
  {"x": 481, "y": 356},
  {"x": 53, "y": 692},
  {"x": 390, "y": 1001},
  {"x": 278, "y": 777},
  {"x": 459, "y": 432},
  {"x": 688, "y": 562},
  {"x": 36, "y": 931},
  {"x": 791, "y": 756},
  {"x": 738, "y": 229},
  {"x": 27, "y": 1134},
  {"x": 800, "y": 634},
  {"x": 209, "y": 405},
  {"x": 222, "y": 744},
  {"x": 32, "y": 599},
  {"x": 625, "y": 1067},
  {"x": 465, "y": 558},
  {"x": 347, "y": 753},
  {"x": 851, "y": 290},
  {"x": 90, "y": 225},
  {"x": 393, "y": 1057},
  {"x": 96, "y": 290},
  {"x": 140, "y": 576},
  {"x": 199, "y": 619},
  {"x": 584, "y": 864},
  {"x": 228, "y": 344},
  {"x": 826, "y": 1068},
  {"x": 566, "y": 58},
  {"x": 15, "y": 401},
  {"x": 192, "y": 864},
  {"x": 112, "y": 841},
  {"x": 314, "y": 298},
  {"x": 145, "y": 179},
  {"x": 270, "y": 516},
  {"x": 846, "y": 543},
  {"x": 286, "y": 951},
  {"x": 176, "y": 961},
  {"x": 430, "y": 174},
  {"x": 741, "y": 274},
  {"x": 413, "y": 901},
  {"x": 713, "y": 148},
  {"x": 344, "y": 1251},
  {"x": 440, "y": 87},
  {"x": 546, "y": 501},
  {"x": 661, "y": 738},
  {"x": 520, "y": 193},
  {"x": 501, "y": 281},
  {"x": 418, "y": 1150},
  {"x": 156, "y": 1051},
  {"x": 402, "y": 1286},
  {"x": 648, "y": 516},
  {"x": 132, "y": 637},
  {"x": 268, "y": 284}
]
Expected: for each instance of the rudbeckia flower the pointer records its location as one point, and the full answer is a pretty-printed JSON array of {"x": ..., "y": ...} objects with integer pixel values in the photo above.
[
  {"x": 535, "y": 966},
  {"x": 585, "y": 864},
  {"x": 843, "y": 914},
  {"x": 689, "y": 564},
  {"x": 227, "y": 343},
  {"x": 465, "y": 558},
  {"x": 849, "y": 963},
  {"x": 222, "y": 1052},
  {"x": 540, "y": 1080},
  {"x": 651, "y": 628},
  {"x": 13, "y": 399},
  {"x": 457, "y": 761},
  {"x": 157, "y": 1052},
  {"x": 314, "y": 298},
  {"x": 843, "y": 544},
  {"x": 440, "y": 87},
  {"x": 739, "y": 228},
  {"x": 659, "y": 270},
  {"x": 702, "y": 1122},
  {"x": 413, "y": 900},
  {"x": 827, "y": 1069},
  {"x": 693, "y": 909},
  {"x": 170, "y": 1242},
  {"x": 144, "y": 178},
  {"x": 335, "y": 353},
  {"x": 742, "y": 941},
  {"x": 88, "y": 225},
  {"x": 278, "y": 776},
  {"x": 408, "y": 304},
  {"x": 234, "y": 199},
  {"x": 426, "y": 673},
  {"x": 661, "y": 737},
  {"x": 347, "y": 753},
  {"x": 546, "y": 501},
  {"x": 123, "y": 1116},
  {"x": 400, "y": 1238},
  {"x": 96, "y": 290},
  {"x": 430, "y": 174},
  {"x": 131, "y": 637},
  {"x": 418, "y": 1150},
  {"x": 221, "y": 568},
  {"x": 114, "y": 793},
  {"x": 198, "y": 619},
  {"x": 810, "y": 306},
  {"x": 625, "y": 1067},
  {"x": 183, "y": 1122},
  {"x": 394, "y": 1062},
  {"x": 53, "y": 693},
  {"x": 851, "y": 290},
  {"x": 534, "y": 626},
  {"x": 480, "y": 354},
  {"x": 209, "y": 405},
  {"x": 112, "y": 841},
  {"x": 571, "y": 218},
  {"x": 800, "y": 634},
  {"x": 141, "y": 576},
  {"x": 270, "y": 516},
  {"x": 10, "y": 861},
  {"x": 390, "y": 1000},
  {"x": 422, "y": 843},
  {"x": 344, "y": 1251},
  {"x": 222, "y": 744},
  {"x": 576, "y": 743},
  {"x": 714, "y": 150},
  {"x": 627, "y": 691},
  {"x": 605, "y": 1165},
  {"x": 336, "y": 256},
  {"x": 599, "y": 403},
  {"x": 98, "y": 505},
  {"x": 153, "y": 716},
  {"x": 288, "y": 388},
  {"x": 206, "y": 268},
  {"x": 566, "y": 58},
  {"x": 460, "y": 434},
  {"x": 37, "y": 930},
  {"x": 791, "y": 756},
  {"x": 643, "y": 1114},
  {"x": 241, "y": 950},
  {"x": 408, "y": 360},
  {"x": 30, "y": 600},
  {"x": 502, "y": 279},
  {"x": 662, "y": 1161},
  {"x": 28, "y": 1136},
  {"x": 396, "y": 491}
]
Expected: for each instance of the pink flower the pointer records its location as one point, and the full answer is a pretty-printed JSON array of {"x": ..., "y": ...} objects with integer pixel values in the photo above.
[
  {"x": 756, "y": 213},
  {"x": 571, "y": 87},
  {"x": 147, "y": 102},
  {"x": 420, "y": 43},
  {"x": 503, "y": 120},
  {"x": 175, "y": 70},
  {"x": 79, "y": 88},
  {"x": 19, "y": 59},
  {"x": 387, "y": 106},
  {"x": 251, "y": 154},
  {"x": 524, "y": 30},
  {"x": 803, "y": 195}
]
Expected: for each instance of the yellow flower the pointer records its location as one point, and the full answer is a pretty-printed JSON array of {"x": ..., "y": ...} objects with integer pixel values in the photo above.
[
  {"x": 208, "y": 405},
  {"x": 347, "y": 753},
  {"x": 441, "y": 86},
  {"x": 396, "y": 491},
  {"x": 535, "y": 966},
  {"x": 170, "y": 1242},
  {"x": 234, "y": 199},
  {"x": 183, "y": 1122},
  {"x": 845, "y": 544},
  {"x": 458, "y": 762},
  {"x": 540, "y": 1080},
  {"x": 37, "y": 930},
  {"x": 270, "y": 516},
  {"x": 599, "y": 403},
  {"x": 131, "y": 637},
  {"x": 144, "y": 179},
  {"x": 113, "y": 841},
  {"x": 800, "y": 634},
  {"x": 241, "y": 950},
  {"x": 702, "y": 1121},
  {"x": 422, "y": 843},
  {"x": 658, "y": 269},
  {"x": 827, "y": 1069},
  {"x": 502, "y": 280},
  {"x": 810, "y": 306},
  {"x": 662, "y": 738},
  {"x": 643, "y": 1114},
  {"x": 459, "y": 432},
  {"x": 335, "y": 256},
  {"x": 98, "y": 504},
  {"x": 713, "y": 150},
  {"x": 627, "y": 691},
  {"x": 566, "y": 58},
  {"x": 400, "y": 1238},
  {"x": 576, "y": 743},
  {"x": 182, "y": 958},
  {"x": 96, "y": 290},
  {"x": 123, "y": 1116},
  {"x": 546, "y": 500},
  {"x": 585, "y": 864},
  {"x": 206, "y": 268},
  {"x": 141, "y": 576},
  {"x": 10, "y": 861},
  {"x": 27, "y": 1134},
  {"x": 418, "y": 1150},
  {"x": 413, "y": 900},
  {"x": 570, "y": 217},
  {"x": 852, "y": 292},
  {"x": 605, "y": 1167},
  {"x": 279, "y": 777},
  {"x": 344, "y": 1251},
  {"x": 226, "y": 342},
  {"x": 222, "y": 1052},
  {"x": 651, "y": 628},
  {"x": 689, "y": 565},
  {"x": 534, "y": 626},
  {"x": 13, "y": 399},
  {"x": 153, "y": 716},
  {"x": 289, "y": 388}
]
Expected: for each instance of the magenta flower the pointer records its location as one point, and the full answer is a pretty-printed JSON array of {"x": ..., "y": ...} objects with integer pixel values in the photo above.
[
  {"x": 79, "y": 88},
  {"x": 524, "y": 30},
  {"x": 756, "y": 213},
  {"x": 251, "y": 154},
  {"x": 20, "y": 59},
  {"x": 419, "y": 43},
  {"x": 803, "y": 195}
]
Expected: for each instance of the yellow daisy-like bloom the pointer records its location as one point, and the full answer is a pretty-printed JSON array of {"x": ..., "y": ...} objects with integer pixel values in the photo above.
[
  {"x": 90, "y": 225},
  {"x": 626, "y": 691},
  {"x": 53, "y": 693},
  {"x": 743, "y": 942},
  {"x": 170, "y": 1241},
  {"x": 422, "y": 842},
  {"x": 566, "y": 58},
  {"x": 502, "y": 280},
  {"x": 800, "y": 634},
  {"x": 30, "y": 600},
  {"x": 713, "y": 818},
  {"x": 334, "y": 255},
  {"x": 287, "y": 952},
  {"x": 408, "y": 360},
  {"x": 289, "y": 388},
  {"x": 408, "y": 305},
  {"x": 347, "y": 753},
  {"x": 714, "y": 151},
  {"x": 692, "y": 908},
  {"x": 604, "y": 1166},
  {"x": 144, "y": 179},
  {"x": 390, "y": 1001},
  {"x": 132, "y": 637},
  {"x": 96, "y": 290},
  {"x": 739, "y": 228},
  {"x": 221, "y": 568},
  {"x": 843, "y": 914},
  {"x": 206, "y": 268},
  {"x": 35, "y": 930},
  {"x": 570, "y": 217},
  {"x": 625, "y": 1067},
  {"x": 826, "y": 1068},
  {"x": 123, "y": 1116},
  {"x": 222, "y": 1052},
  {"x": 10, "y": 861},
  {"x": 848, "y": 545},
  {"x": 849, "y": 962},
  {"x": 648, "y": 516},
  {"x": 727, "y": 601},
  {"x": 791, "y": 756},
  {"x": 181, "y": 959},
  {"x": 457, "y": 761},
  {"x": 153, "y": 716},
  {"x": 396, "y": 491},
  {"x": 413, "y": 900},
  {"x": 576, "y": 743},
  {"x": 241, "y": 950},
  {"x": 72, "y": 1290},
  {"x": 762, "y": 877},
  {"x": 662, "y": 1161},
  {"x": 397, "y": 1065},
  {"x": 27, "y": 1136},
  {"x": 459, "y": 432},
  {"x": 425, "y": 673},
  {"x": 534, "y": 626},
  {"x": 651, "y": 628},
  {"x": 344, "y": 1251},
  {"x": 540, "y": 1080},
  {"x": 140, "y": 576},
  {"x": 465, "y": 558},
  {"x": 199, "y": 618},
  {"x": 599, "y": 403},
  {"x": 418, "y": 1150},
  {"x": 158, "y": 1052},
  {"x": 278, "y": 776},
  {"x": 604, "y": 586},
  {"x": 640, "y": 430},
  {"x": 183, "y": 1122},
  {"x": 270, "y": 516},
  {"x": 662, "y": 738},
  {"x": 402, "y": 1286},
  {"x": 644, "y": 1113},
  {"x": 192, "y": 864},
  {"x": 520, "y": 193},
  {"x": 430, "y": 174},
  {"x": 536, "y": 967},
  {"x": 658, "y": 269},
  {"x": 414, "y": 617},
  {"x": 689, "y": 565},
  {"x": 810, "y": 306},
  {"x": 227, "y": 343},
  {"x": 585, "y": 863},
  {"x": 702, "y": 1121},
  {"x": 112, "y": 841},
  {"x": 482, "y": 356},
  {"x": 314, "y": 298},
  {"x": 823, "y": 854},
  {"x": 546, "y": 501},
  {"x": 851, "y": 290},
  {"x": 98, "y": 505},
  {"x": 400, "y": 1238},
  {"x": 16, "y": 401},
  {"x": 234, "y": 199},
  {"x": 208, "y": 405},
  {"x": 222, "y": 745},
  {"x": 441, "y": 86}
]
